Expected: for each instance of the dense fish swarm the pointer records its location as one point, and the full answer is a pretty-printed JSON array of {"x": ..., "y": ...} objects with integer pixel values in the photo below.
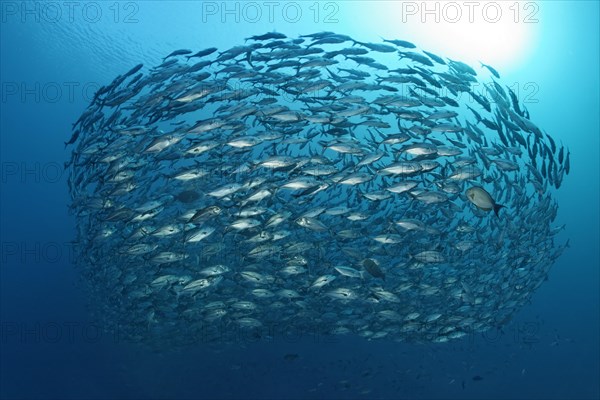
[{"x": 317, "y": 184}]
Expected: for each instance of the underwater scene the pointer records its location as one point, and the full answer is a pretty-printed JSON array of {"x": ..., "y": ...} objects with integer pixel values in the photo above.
[{"x": 299, "y": 200}]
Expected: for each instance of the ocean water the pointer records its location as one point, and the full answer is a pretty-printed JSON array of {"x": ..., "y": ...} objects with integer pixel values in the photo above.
[{"x": 55, "y": 55}]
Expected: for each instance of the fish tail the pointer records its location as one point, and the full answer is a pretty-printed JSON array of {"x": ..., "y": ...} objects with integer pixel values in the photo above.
[{"x": 497, "y": 208}]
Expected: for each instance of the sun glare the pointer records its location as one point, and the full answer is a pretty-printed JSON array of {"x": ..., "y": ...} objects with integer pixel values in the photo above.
[{"x": 496, "y": 33}]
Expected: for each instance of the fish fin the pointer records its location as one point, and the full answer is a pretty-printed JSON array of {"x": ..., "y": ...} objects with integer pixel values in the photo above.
[{"x": 497, "y": 208}]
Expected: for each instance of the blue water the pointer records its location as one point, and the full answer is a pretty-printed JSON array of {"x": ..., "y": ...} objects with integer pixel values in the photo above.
[{"x": 54, "y": 57}]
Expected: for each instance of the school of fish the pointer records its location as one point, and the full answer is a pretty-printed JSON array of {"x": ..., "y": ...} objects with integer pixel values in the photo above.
[{"x": 311, "y": 184}]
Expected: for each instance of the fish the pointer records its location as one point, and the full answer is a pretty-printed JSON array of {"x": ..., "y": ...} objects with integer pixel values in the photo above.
[
  {"x": 316, "y": 182},
  {"x": 401, "y": 43},
  {"x": 429, "y": 256},
  {"x": 322, "y": 281},
  {"x": 482, "y": 199},
  {"x": 372, "y": 267},
  {"x": 181, "y": 52},
  {"x": 268, "y": 36},
  {"x": 348, "y": 272},
  {"x": 491, "y": 69},
  {"x": 199, "y": 234},
  {"x": 203, "y": 53}
]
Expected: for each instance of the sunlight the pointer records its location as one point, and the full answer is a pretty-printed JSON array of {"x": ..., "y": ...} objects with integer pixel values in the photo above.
[{"x": 496, "y": 33}]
